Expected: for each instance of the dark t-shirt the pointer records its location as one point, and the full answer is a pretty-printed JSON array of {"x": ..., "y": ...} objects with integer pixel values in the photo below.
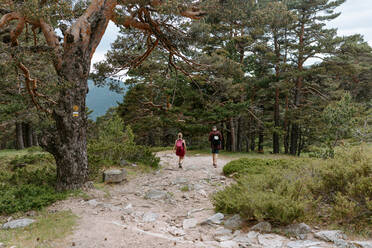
[{"x": 213, "y": 133}]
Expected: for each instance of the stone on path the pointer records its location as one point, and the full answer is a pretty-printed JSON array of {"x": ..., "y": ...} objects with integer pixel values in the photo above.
[
  {"x": 114, "y": 176},
  {"x": 189, "y": 223},
  {"x": 18, "y": 223},
  {"x": 304, "y": 244},
  {"x": 176, "y": 231},
  {"x": 181, "y": 180},
  {"x": 223, "y": 234},
  {"x": 156, "y": 195},
  {"x": 248, "y": 239},
  {"x": 93, "y": 203},
  {"x": 233, "y": 222},
  {"x": 2, "y": 245},
  {"x": 150, "y": 217},
  {"x": 123, "y": 162},
  {"x": 262, "y": 227},
  {"x": 229, "y": 244},
  {"x": 330, "y": 235},
  {"x": 271, "y": 240},
  {"x": 215, "y": 219}
]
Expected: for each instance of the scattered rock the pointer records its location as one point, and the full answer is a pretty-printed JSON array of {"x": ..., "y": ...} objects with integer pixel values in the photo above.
[
  {"x": 2, "y": 245},
  {"x": 128, "y": 209},
  {"x": 229, "y": 244},
  {"x": 88, "y": 185},
  {"x": 189, "y": 223},
  {"x": 18, "y": 223},
  {"x": 303, "y": 244},
  {"x": 176, "y": 231},
  {"x": 114, "y": 176},
  {"x": 249, "y": 238},
  {"x": 271, "y": 240},
  {"x": 222, "y": 232},
  {"x": 363, "y": 244},
  {"x": 215, "y": 219},
  {"x": 93, "y": 203},
  {"x": 181, "y": 180},
  {"x": 150, "y": 217},
  {"x": 233, "y": 222},
  {"x": 189, "y": 213},
  {"x": 330, "y": 235},
  {"x": 156, "y": 195},
  {"x": 299, "y": 231},
  {"x": 203, "y": 193},
  {"x": 31, "y": 213},
  {"x": 262, "y": 227}
]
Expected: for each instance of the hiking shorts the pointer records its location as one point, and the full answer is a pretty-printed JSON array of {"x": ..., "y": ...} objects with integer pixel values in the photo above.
[{"x": 215, "y": 150}]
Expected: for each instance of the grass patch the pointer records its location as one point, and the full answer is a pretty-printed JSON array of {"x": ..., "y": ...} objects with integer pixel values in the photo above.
[
  {"x": 323, "y": 192},
  {"x": 185, "y": 188},
  {"x": 161, "y": 149},
  {"x": 47, "y": 228}
]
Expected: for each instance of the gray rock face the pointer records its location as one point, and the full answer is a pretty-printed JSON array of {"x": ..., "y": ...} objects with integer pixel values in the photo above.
[
  {"x": 114, "y": 176},
  {"x": 18, "y": 223},
  {"x": 150, "y": 217},
  {"x": 330, "y": 236},
  {"x": 93, "y": 203},
  {"x": 233, "y": 222},
  {"x": 262, "y": 227},
  {"x": 176, "y": 231},
  {"x": 189, "y": 223},
  {"x": 215, "y": 219},
  {"x": 181, "y": 180},
  {"x": 156, "y": 195}
]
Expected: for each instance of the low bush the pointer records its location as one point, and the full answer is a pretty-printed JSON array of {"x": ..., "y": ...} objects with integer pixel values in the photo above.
[
  {"x": 29, "y": 187},
  {"x": 329, "y": 191},
  {"x": 112, "y": 144}
]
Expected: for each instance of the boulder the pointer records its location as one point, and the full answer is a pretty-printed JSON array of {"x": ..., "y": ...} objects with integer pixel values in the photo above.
[
  {"x": 156, "y": 195},
  {"x": 330, "y": 235},
  {"x": 189, "y": 223},
  {"x": 304, "y": 244},
  {"x": 271, "y": 240},
  {"x": 123, "y": 162},
  {"x": 214, "y": 219},
  {"x": 18, "y": 223},
  {"x": 176, "y": 231},
  {"x": 262, "y": 227},
  {"x": 233, "y": 222},
  {"x": 114, "y": 176},
  {"x": 298, "y": 230}
]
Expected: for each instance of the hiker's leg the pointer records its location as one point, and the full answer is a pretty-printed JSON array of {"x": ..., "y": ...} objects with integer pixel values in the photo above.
[{"x": 214, "y": 158}]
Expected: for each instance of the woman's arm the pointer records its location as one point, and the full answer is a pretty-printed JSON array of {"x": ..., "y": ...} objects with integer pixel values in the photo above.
[
  {"x": 174, "y": 147},
  {"x": 184, "y": 142}
]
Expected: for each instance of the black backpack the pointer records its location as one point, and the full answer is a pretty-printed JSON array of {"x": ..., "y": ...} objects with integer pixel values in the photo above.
[{"x": 216, "y": 141}]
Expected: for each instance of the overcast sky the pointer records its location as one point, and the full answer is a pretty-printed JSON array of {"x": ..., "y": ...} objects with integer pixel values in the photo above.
[{"x": 356, "y": 17}]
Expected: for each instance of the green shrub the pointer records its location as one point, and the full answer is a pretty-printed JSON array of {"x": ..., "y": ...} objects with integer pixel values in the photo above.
[
  {"x": 112, "y": 144},
  {"x": 26, "y": 197},
  {"x": 283, "y": 191},
  {"x": 256, "y": 165},
  {"x": 32, "y": 159}
]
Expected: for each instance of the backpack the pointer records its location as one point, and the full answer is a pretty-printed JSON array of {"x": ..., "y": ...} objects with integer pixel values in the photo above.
[
  {"x": 179, "y": 146},
  {"x": 216, "y": 141}
]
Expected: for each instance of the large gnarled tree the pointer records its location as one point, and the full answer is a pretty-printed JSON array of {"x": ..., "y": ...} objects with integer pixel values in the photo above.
[{"x": 82, "y": 25}]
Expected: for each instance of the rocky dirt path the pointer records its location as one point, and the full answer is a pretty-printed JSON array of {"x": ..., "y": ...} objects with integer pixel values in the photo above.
[{"x": 169, "y": 208}]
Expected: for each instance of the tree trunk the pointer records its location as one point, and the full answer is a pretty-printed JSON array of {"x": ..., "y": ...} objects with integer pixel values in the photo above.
[
  {"x": 294, "y": 139},
  {"x": 286, "y": 127},
  {"x": 232, "y": 134},
  {"x": 276, "y": 147},
  {"x": 253, "y": 139},
  {"x": 239, "y": 135},
  {"x": 19, "y": 136},
  {"x": 261, "y": 139},
  {"x": 35, "y": 140},
  {"x": 247, "y": 139},
  {"x": 28, "y": 134}
]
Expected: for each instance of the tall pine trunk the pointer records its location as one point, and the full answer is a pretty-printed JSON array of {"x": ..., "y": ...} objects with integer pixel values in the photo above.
[
  {"x": 276, "y": 147},
  {"x": 232, "y": 134},
  {"x": 239, "y": 135},
  {"x": 28, "y": 134},
  {"x": 286, "y": 127},
  {"x": 19, "y": 136}
]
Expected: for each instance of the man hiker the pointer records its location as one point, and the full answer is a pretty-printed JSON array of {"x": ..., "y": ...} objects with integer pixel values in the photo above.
[
  {"x": 180, "y": 149},
  {"x": 215, "y": 138}
]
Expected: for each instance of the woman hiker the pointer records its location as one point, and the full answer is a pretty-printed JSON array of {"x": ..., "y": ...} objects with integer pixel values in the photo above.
[
  {"x": 180, "y": 149},
  {"x": 215, "y": 138}
]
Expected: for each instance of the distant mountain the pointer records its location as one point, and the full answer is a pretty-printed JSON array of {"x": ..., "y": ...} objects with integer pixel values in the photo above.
[{"x": 100, "y": 99}]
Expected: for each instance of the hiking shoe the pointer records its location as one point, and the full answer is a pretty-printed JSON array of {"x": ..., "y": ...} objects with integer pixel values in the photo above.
[
  {"x": 215, "y": 165},
  {"x": 180, "y": 166}
]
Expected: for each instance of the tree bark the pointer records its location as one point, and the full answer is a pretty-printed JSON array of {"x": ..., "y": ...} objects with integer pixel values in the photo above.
[
  {"x": 276, "y": 147},
  {"x": 294, "y": 138},
  {"x": 19, "y": 136},
  {"x": 261, "y": 139},
  {"x": 232, "y": 134},
  {"x": 239, "y": 135},
  {"x": 27, "y": 134},
  {"x": 286, "y": 127},
  {"x": 253, "y": 139},
  {"x": 35, "y": 140}
]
